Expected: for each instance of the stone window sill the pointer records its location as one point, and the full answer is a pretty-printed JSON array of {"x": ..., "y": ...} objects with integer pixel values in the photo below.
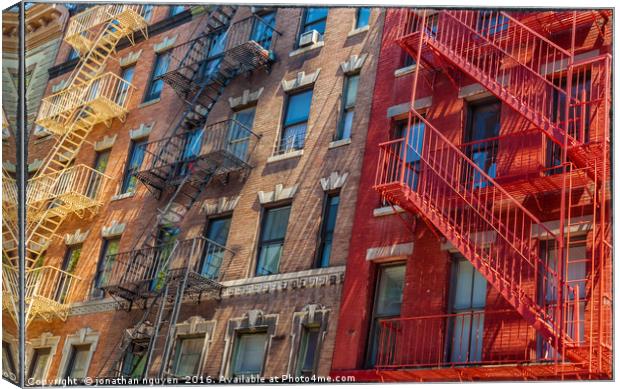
[
  {"x": 302, "y": 50},
  {"x": 150, "y": 102},
  {"x": 404, "y": 71},
  {"x": 358, "y": 31},
  {"x": 338, "y": 143},
  {"x": 122, "y": 196},
  {"x": 289, "y": 155},
  {"x": 385, "y": 211}
]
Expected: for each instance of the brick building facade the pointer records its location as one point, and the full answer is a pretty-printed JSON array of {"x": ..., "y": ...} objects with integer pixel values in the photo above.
[
  {"x": 297, "y": 200},
  {"x": 414, "y": 308}
]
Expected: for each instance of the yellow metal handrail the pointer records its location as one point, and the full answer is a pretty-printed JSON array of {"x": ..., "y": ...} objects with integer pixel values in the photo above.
[
  {"x": 49, "y": 291},
  {"x": 108, "y": 95},
  {"x": 80, "y": 32},
  {"x": 82, "y": 183}
]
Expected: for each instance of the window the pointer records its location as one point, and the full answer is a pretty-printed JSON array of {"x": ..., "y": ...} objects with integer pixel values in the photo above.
[
  {"x": 188, "y": 353},
  {"x": 262, "y": 30},
  {"x": 175, "y": 10},
  {"x": 308, "y": 351},
  {"x": 411, "y": 151},
  {"x": 101, "y": 163},
  {"x": 69, "y": 263},
  {"x": 148, "y": 12},
  {"x": 576, "y": 273},
  {"x": 469, "y": 292},
  {"x": 314, "y": 19},
  {"x": 78, "y": 361},
  {"x": 388, "y": 300},
  {"x": 273, "y": 232},
  {"x": 73, "y": 54},
  {"x": 217, "y": 45},
  {"x": 295, "y": 122},
  {"x": 217, "y": 232},
  {"x": 349, "y": 96},
  {"x": 407, "y": 60},
  {"x": 328, "y": 225},
  {"x": 481, "y": 143},
  {"x": 134, "y": 362},
  {"x": 107, "y": 257},
  {"x": 492, "y": 22},
  {"x": 8, "y": 362},
  {"x": 240, "y": 133},
  {"x": 127, "y": 75},
  {"x": 38, "y": 364},
  {"x": 164, "y": 241},
  {"x": 136, "y": 154},
  {"x": 192, "y": 140},
  {"x": 157, "y": 84},
  {"x": 578, "y": 125},
  {"x": 249, "y": 354},
  {"x": 362, "y": 17}
]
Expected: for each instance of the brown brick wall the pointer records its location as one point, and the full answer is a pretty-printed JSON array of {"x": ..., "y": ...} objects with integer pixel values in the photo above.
[{"x": 317, "y": 161}]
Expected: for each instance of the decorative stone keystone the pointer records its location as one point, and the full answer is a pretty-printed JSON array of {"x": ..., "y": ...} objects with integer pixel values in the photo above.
[{"x": 301, "y": 80}]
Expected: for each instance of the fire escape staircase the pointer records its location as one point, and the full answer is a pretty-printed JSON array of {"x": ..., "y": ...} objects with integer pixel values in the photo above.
[
  {"x": 59, "y": 189},
  {"x": 220, "y": 149},
  {"x": 426, "y": 173},
  {"x": 518, "y": 71}
]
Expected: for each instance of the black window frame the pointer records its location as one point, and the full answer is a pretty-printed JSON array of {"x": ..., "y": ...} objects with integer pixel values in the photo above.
[
  {"x": 262, "y": 242},
  {"x": 75, "y": 348},
  {"x": 489, "y": 144},
  {"x": 369, "y": 358},
  {"x": 208, "y": 224},
  {"x": 303, "y": 24},
  {"x": 235, "y": 350},
  {"x": 36, "y": 355},
  {"x": 340, "y": 135},
  {"x": 97, "y": 291},
  {"x": 323, "y": 230},
  {"x": 128, "y": 171},
  {"x": 153, "y": 78},
  {"x": 302, "y": 353},
  {"x": 285, "y": 126},
  {"x": 357, "y": 17}
]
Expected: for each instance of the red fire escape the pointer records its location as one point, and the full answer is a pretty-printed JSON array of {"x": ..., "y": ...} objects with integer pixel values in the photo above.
[{"x": 566, "y": 98}]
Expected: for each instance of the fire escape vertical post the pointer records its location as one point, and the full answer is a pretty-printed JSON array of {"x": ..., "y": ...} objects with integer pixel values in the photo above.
[{"x": 408, "y": 131}]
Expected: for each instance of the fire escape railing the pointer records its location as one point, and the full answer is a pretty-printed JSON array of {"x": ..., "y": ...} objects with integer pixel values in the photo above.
[
  {"x": 80, "y": 34},
  {"x": 522, "y": 71},
  {"x": 248, "y": 45},
  {"x": 107, "y": 95},
  {"x": 462, "y": 339},
  {"x": 466, "y": 204},
  {"x": 228, "y": 144},
  {"x": 49, "y": 291},
  {"x": 146, "y": 270}
]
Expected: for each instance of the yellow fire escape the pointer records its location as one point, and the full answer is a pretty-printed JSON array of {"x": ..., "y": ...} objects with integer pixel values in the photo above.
[{"x": 59, "y": 189}]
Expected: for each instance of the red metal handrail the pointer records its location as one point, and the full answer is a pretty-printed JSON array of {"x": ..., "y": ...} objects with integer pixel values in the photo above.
[{"x": 467, "y": 205}]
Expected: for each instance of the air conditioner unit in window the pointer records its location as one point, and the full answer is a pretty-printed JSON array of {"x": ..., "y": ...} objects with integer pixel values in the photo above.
[{"x": 309, "y": 38}]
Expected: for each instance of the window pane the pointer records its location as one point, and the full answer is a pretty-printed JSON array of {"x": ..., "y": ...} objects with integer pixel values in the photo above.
[
  {"x": 239, "y": 136},
  {"x": 39, "y": 363},
  {"x": 269, "y": 259},
  {"x": 307, "y": 350},
  {"x": 78, "y": 362},
  {"x": 276, "y": 221},
  {"x": 189, "y": 351},
  {"x": 351, "y": 92},
  {"x": 314, "y": 14},
  {"x": 101, "y": 162},
  {"x": 133, "y": 164},
  {"x": 390, "y": 291},
  {"x": 218, "y": 43},
  {"x": 298, "y": 108},
  {"x": 327, "y": 229},
  {"x": 161, "y": 66},
  {"x": 217, "y": 231},
  {"x": 249, "y": 354},
  {"x": 363, "y": 16},
  {"x": 262, "y": 31},
  {"x": 293, "y": 138},
  {"x": 110, "y": 248},
  {"x": 347, "y": 125},
  {"x": 485, "y": 121}
]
